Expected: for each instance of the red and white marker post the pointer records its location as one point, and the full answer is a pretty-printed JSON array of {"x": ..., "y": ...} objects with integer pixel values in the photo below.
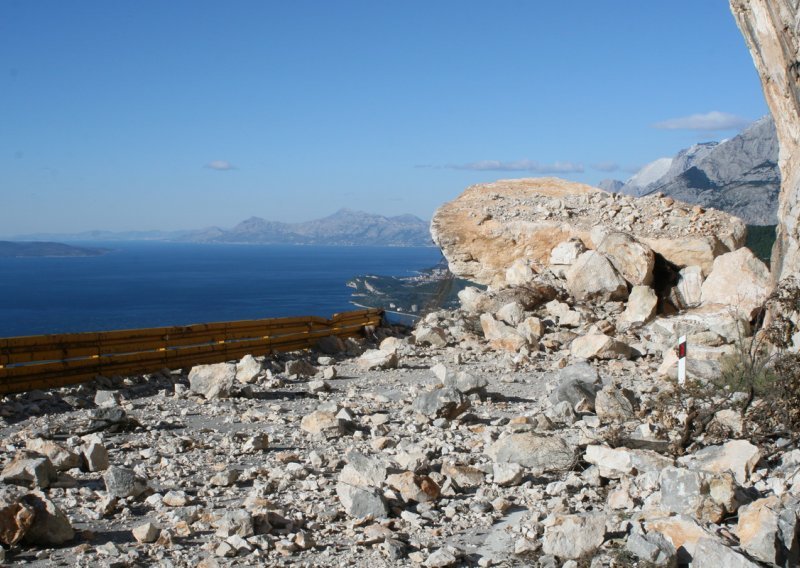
[{"x": 682, "y": 360}]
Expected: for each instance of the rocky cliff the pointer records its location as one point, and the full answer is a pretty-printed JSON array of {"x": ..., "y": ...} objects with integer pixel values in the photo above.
[{"x": 771, "y": 30}]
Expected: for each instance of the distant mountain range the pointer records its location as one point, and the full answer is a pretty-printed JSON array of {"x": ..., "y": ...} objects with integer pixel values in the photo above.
[
  {"x": 38, "y": 249},
  {"x": 739, "y": 175},
  {"x": 344, "y": 228}
]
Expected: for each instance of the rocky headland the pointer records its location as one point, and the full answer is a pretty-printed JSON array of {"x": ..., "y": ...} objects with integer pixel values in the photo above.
[{"x": 15, "y": 249}]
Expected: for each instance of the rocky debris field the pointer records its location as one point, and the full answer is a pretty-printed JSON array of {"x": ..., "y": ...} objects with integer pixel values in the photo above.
[
  {"x": 439, "y": 448},
  {"x": 539, "y": 424}
]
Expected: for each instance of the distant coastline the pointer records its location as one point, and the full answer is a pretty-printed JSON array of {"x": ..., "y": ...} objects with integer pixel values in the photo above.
[{"x": 15, "y": 249}]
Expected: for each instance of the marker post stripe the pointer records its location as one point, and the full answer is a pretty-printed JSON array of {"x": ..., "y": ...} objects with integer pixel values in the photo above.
[{"x": 682, "y": 360}]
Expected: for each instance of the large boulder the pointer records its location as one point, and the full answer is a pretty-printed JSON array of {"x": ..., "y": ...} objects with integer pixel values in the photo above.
[
  {"x": 738, "y": 279},
  {"x": 490, "y": 226},
  {"x": 500, "y": 335},
  {"x": 641, "y": 307},
  {"x": 212, "y": 381},
  {"x": 768, "y": 530},
  {"x": 739, "y": 457},
  {"x": 632, "y": 259},
  {"x": 534, "y": 451},
  {"x": 574, "y": 536},
  {"x": 529, "y": 297},
  {"x": 593, "y": 277},
  {"x": 31, "y": 518}
]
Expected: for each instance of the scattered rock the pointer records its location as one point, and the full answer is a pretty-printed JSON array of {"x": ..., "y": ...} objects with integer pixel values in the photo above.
[
  {"x": 212, "y": 381},
  {"x": 248, "y": 369},
  {"x": 613, "y": 404},
  {"x": 376, "y": 359},
  {"x": 738, "y": 457},
  {"x": 446, "y": 402},
  {"x": 29, "y": 469},
  {"x": 323, "y": 423},
  {"x": 121, "y": 482},
  {"x": 738, "y": 279},
  {"x": 574, "y": 536},
  {"x": 632, "y": 259},
  {"x": 593, "y": 277},
  {"x": 433, "y": 336},
  {"x": 146, "y": 533},
  {"x": 599, "y": 346},
  {"x": 300, "y": 368},
  {"x": 537, "y": 452}
]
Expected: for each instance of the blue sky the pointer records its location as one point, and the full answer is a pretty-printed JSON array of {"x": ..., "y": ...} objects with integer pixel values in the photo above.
[{"x": 190, "y": 113}]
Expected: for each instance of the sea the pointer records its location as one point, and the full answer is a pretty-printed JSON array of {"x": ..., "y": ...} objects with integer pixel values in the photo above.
[{"x": 154, "y": 284}]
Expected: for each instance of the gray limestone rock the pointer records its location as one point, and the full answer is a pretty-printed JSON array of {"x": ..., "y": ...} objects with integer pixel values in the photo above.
[
  {"x": 122, "y": 482},
  {"x": 446, "y": 402},
  {"x": 537, "y": 452},
  {"x": 361, "y": 502}
]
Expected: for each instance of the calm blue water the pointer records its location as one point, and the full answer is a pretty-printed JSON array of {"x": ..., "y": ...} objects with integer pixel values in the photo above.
[{"x": 158, "y": 284}]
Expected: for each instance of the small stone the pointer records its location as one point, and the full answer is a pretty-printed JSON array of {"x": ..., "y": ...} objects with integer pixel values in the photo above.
[
  {"x": 599, "y": 346},
  {"x": 359, "y": 502},
  {"x": 652, "y": 547},
  {"x": 442, "y": 558},
  {"x": 224, "y": 478},
  {"x": 147, "y": 532},
  {"x": 257, "y": 443},
  {"x": 737, "y": 456},
  {"x": 433, "y": 336},
  {"x": 507, "y": 474},
  {"x": 463, "y": 475},
  {"x": 62, "y": 458},
  {"x": 540, "y": 453},
  {"x": 413, "y": 487},
  {"x": 613, "y": 404},
  {"x": 95, "y": 455},
  {"x": 248, "y": 370},
  {"x": 238, "y": 522},
  {"x": 446, "y": 402},
  {"x": 121, "y": 482},
  {"x": 29, "y": 469},
  {"x": 175, "y": 499},
  {"x": 316, "y": 387},
  {"x": 323, "y": 423},
  {"x": 376, "y": 359},
  {"x": 300, "y": 368}
]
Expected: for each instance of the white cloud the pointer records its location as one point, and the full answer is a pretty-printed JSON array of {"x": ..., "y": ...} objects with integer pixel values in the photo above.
[
  {"x": 519, "y": 166},
  {"x": 606, "y": 166},
  {"x": 220, "y": 165},
  {"x": 709, "y": 121}
]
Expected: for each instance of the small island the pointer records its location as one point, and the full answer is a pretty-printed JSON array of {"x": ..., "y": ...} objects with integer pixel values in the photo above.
[{"x": 13, "y": 249}]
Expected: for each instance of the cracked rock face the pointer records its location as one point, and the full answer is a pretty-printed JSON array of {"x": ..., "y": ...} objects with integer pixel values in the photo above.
[
  {"x": 491, "y": 226},
  {"x": 770, "y": 29}
]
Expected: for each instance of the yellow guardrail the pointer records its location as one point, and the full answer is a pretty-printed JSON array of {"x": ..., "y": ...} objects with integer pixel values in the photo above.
[{"x": 48, "y": 361}]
